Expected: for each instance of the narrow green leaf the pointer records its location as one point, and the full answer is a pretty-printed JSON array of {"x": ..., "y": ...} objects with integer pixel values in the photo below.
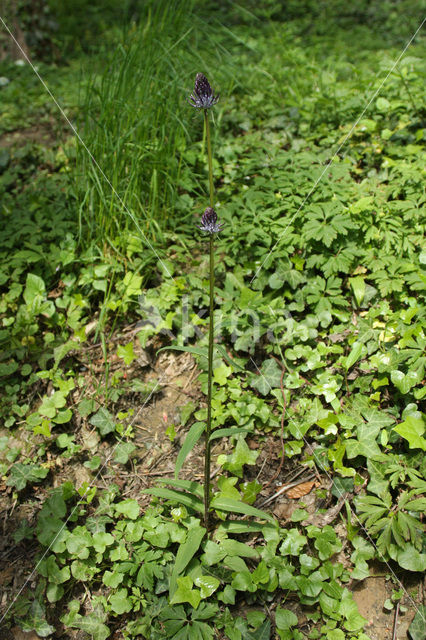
[
  {"x": 192, "y": 437},
  {"x": 228, "y": 359},
  {"x": 193, "y": 487},
  {"x": 229, "y": 504},
  {"x": 226, "y": 433},
  {"x": 185, "y": 553},
  {"x": 196, "y": 351},
  {"x": 354, "y": 355},
  {"x": 358, "y": 288},
  {"x": 176, "y": 496}
]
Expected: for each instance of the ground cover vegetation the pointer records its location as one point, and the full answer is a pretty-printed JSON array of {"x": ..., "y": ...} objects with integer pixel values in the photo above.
[{"x": 318, "y": 361}]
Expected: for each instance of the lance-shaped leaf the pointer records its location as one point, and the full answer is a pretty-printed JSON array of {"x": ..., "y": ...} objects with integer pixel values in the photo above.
[
  {"x": 176, "y": 496},
  {"x": 192, "y": 437},
  {"x": 229, "y": 504}
]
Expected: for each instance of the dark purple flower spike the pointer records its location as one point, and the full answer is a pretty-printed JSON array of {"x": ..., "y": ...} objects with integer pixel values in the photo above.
[
  {"x": 209, "y": 222},
  {"x": 202, "y": 97}
]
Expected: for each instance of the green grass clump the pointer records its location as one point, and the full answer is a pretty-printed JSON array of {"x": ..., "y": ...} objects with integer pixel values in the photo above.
[{"x": 136, "y": 123}]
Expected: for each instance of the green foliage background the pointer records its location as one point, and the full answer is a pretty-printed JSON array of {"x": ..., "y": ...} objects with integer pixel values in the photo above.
[{"x": 321, "y": 274}]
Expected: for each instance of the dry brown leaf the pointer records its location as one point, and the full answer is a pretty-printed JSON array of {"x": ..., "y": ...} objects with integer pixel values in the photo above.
[
  {"x": 6, "y": 576},
  {"x": 301, "y": 490},
  {"x": 21, "y": 635}
]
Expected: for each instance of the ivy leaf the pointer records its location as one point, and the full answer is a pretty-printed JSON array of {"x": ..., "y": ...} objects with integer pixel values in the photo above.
[
  {"x": 185, "y": 592},
  {"x": 23, "y": 474},
  {"x": 36, "y": 621},
  {"x": 241, "y": 455},
  {"x": 242, "y": 581},
  {"x": 92, "y": 623},
  {"x": 262, "y": 633},
  {"x": 102, "y": 540},
  {"x": 221, "y": 374},
  {"x": 412, "y": 430},
  {"x": 104, "y": 421},
  {"x": 348, "y": 608},
  {"x": 34, "y": 287},
  {"x": 404, "y": 382},
  {"x": 293, "y": 543},
  {"x": 123, "y": 451},
  {"x": 120, "y": 602},
  {"x": 207, "y": 585},
  {"x": 269, "y": 377}
]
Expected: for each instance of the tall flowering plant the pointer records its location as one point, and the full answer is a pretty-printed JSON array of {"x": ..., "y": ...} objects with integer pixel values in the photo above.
[{"x": 203, "y": 97}]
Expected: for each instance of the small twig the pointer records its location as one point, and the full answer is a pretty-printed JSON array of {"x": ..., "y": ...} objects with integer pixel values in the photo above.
[
  {"x": 395, "y": 621},
  {"x": 190, "y": 377},
  {"x": 261, "y": 468},
  {"x": 159, "y": 473}
]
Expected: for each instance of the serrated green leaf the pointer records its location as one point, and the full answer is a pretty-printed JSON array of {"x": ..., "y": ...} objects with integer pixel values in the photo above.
[{"x": 126, "y": 353}]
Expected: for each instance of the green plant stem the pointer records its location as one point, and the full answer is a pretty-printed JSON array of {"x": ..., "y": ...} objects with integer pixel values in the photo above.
[
  {"x": 209, "y": 155},
  {"x": 211, "y": 338}
]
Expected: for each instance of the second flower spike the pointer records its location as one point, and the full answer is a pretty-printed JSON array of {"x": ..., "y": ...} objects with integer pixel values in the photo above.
[
  {"x": 202, "y": 97},
  {"x": 209, "y": 221}
]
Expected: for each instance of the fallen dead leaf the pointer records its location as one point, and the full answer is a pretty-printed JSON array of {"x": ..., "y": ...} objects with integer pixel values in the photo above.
[
  {"x": 22, "y": 635},
  {"x": 6, "y": 576},
  {"x": 301, "y": 490}
]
